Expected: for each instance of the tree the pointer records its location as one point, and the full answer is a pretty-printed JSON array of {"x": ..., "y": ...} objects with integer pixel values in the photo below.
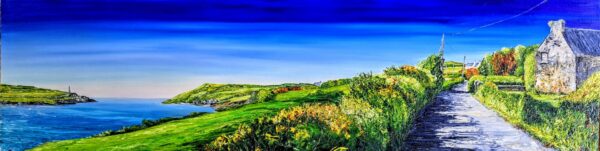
[{"x": 504, "y": 63}]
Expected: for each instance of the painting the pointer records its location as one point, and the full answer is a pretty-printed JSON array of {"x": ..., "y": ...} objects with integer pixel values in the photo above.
[{"x": 255, "y": 75}]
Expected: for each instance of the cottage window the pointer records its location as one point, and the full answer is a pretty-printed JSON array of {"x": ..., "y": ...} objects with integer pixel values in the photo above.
[{"x": 544, "y": 57}]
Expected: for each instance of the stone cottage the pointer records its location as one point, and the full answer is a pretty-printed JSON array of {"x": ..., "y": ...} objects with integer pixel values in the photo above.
[{"x": 566, "y": 58}]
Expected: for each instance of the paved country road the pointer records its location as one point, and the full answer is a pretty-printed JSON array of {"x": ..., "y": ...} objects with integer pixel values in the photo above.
[{"x": 457, "y": 121}]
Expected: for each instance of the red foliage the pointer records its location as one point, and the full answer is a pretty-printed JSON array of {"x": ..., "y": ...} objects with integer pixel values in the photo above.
[
  {"x": 286, "y": 89},
  {"x": 471, "y": 72},
  {"x": 504, "y": 64}
]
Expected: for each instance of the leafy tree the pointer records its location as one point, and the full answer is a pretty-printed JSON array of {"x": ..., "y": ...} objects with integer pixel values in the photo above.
[
  {"x": 504, "y": 62},
  {"x": 434, "y": 64}
]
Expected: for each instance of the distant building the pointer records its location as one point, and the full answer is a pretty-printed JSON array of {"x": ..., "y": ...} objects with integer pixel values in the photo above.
[{"x": 566, "y": 58}]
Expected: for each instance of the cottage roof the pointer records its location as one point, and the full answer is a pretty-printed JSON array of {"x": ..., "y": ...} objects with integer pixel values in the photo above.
[{"x": 583, "y": 42}]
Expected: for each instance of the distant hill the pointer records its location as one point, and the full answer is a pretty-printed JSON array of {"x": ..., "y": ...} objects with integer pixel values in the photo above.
[
  {"x": 18, "y": 94},
  {"x": 223, "y": 96}
]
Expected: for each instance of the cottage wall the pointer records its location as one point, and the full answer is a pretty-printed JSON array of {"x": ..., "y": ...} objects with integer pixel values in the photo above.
[
  {"x": 586, "y": 66},
  {"x": 556, "y": 66}
]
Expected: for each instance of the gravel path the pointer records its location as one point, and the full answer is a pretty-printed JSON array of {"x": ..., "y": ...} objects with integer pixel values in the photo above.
[{"x": 457, "y": 121}]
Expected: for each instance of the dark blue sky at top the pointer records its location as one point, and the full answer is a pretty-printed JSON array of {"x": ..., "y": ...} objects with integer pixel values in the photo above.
[
  {"x": 159, "y": 48},
  {"x": 581, "y": 13}
]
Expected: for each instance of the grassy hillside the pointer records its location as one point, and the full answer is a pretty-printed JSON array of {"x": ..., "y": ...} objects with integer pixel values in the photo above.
[
  {"x": 187, "y": 134},
  {"x": 17, "y": 94},
  {"x": 223, "y": 96}
]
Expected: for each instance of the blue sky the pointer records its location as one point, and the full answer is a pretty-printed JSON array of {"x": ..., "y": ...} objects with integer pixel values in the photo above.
[{"x": 159, "y": 48}]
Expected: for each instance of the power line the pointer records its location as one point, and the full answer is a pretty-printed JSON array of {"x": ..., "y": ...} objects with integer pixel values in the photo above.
[{"x": 505, "y": 19}]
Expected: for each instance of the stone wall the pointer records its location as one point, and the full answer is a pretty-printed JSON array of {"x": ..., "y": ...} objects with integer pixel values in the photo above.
[
  {"x": 555, "y": 63},
  {"x": 586, "y": 66}
]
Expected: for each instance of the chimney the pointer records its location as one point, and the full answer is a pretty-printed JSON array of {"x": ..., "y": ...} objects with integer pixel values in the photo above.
[{"x": 557, "y": 27}]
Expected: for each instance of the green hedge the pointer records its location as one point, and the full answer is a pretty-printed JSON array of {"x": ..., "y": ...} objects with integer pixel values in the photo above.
[
  {"x": 376, "y": 114},
  {"x": 499, "y": 80},
  {"x": 529, "y": 75},
  {"x": 564, "y": 125}
]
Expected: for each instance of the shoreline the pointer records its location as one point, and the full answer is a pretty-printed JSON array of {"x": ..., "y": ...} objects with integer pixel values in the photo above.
[{"x": 75, "y": 99}]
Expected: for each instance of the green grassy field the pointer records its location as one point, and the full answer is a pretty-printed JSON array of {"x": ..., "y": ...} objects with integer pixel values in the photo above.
[
  {"x": 223, "y": 96},
  {"x": 187, "y": 134},
  {"x": 452, "y": 74},
  {"x": 17, "y": 94}
]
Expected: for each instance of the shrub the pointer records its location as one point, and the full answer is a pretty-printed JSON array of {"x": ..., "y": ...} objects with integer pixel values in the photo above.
[
  {"x": 409, "y": 71},
  {"x": 398, "y": 100},
  {"x": 471, "y": 72},
  {"x": 471, "y": 83},
  {"x": 262, "y": 95},
  {"x": 310, "y": 127},
  {"x": 589, "y": 91},
  {"x": 434, "y": 64},
  {"x": 286, "y": 89}
]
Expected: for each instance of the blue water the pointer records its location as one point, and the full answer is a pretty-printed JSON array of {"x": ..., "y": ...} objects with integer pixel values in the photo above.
[{"x": 24, "y": 127}]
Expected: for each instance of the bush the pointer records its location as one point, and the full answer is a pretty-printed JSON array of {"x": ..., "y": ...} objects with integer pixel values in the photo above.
[
  {"x": 262, "y": 95},
  {"x": 471, "y": 72},
  {"x": 589, "y": 91},
  {"x": 471, "y": 87},
  {"x": 409, "y": 71},
  {"x": 434, "y": 64},
  {"x": 395, "y": 103},
  {"x": 310, "y": 127}
]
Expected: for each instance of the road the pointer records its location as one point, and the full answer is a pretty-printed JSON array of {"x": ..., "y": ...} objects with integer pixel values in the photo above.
[{"x": 457, "y": 121}]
